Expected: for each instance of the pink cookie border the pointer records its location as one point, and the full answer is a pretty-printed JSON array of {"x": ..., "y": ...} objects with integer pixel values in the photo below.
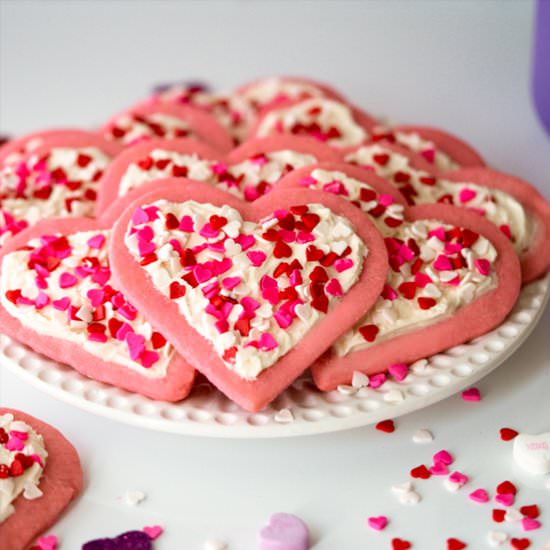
[
  {"x": 535, "y": 262},
  {"x": 61, "y": 483},
  {"x": 456, "y": 148},
  {"x": 203, "y": 124},
  {"x": 471, "y": 321},
  {"x": 174, "y": 386},
  {"x": 164, "y": 314},
  {"x": 70, "y": 137}
]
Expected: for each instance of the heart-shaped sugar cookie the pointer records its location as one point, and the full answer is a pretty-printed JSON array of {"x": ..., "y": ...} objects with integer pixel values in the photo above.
[
  {"x": 333, "y": 122},
  {"x": 443, "y": 151},
  {"x": 248, "y": 172},
  {"x": 57, "y": 296},
  {"x": 249, "y": 293},
  {"x": 58, "y": 177},
  {"x": 446, "y": 266},
  {"x": 153, "y": 120},
  {"x": 34, "y": 456},
  {"x": 515, "y": 206}
]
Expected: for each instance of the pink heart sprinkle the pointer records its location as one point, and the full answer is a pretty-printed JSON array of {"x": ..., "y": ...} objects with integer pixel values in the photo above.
[
  {"x": 67, "y": 280},
  {"x": 483, "y": 266},
  {"x": 97, "y": 241},
  {"x": 378, "y": 523},
  {"x": 459, "y": 478},
  {"x": 479, "y": 495},
  {"x": 471, "y": 394},
  {"x": 439, "y": 469},
  {"x": 444, "y": 457},
  {"x": 15, "y": 444},
  {"x": 154, "y": 532},
  {"x": 48, "y": 542},
  {"x": 333, "y": 288},
  {"x": 186, "y": 224},
  {"x": 466, "y": 195},
  {"x": 399, "y": 371},
  {"x": 442, "y": 263},
  {"x": 377, "y": 380},
  {"x": 136, "y": 344},
  {"x": 506, "y": 499},
  {"x": 529, "y": 524},
  {"x": 256, "y": 257},
  {"x": 343, "y": 264}
]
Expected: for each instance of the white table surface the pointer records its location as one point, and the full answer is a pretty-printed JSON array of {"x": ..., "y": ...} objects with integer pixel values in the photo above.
[{"x": 460, "y": 65}]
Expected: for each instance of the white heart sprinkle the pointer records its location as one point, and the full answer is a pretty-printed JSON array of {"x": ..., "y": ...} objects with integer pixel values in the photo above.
[
  {"x": 513, "y": 515},
  {"x": 402, "y": 487},
  {"x": 422, "y": 436},
  {"x": 450, "y": 485},
  {"x": 133, "y": 498},
  {"x": 496, "y": 538},
  {"x": 31, "y": 491},
  {"x": 214, "y": 544},
  {"x": 419, "y": 366},
  {"x": 284, "y": 416},
  {"x": 359, "y": 380},
  {"x": 410, "y": 498},
  {"x": 532, "y": 452},
  {"x": 344, "y": 389}
]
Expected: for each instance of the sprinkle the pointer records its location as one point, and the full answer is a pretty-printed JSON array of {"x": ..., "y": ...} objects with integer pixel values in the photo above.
[
  {"x": 422, "y": 436},
  {"x": 505, "y": 499},
  {"x": 420, "y": 472},
  {"x": 344, "y": 389},
  {"x": 467, "y": 195},
  {"x": 387, "y": 426},
  {"x": 399, "y": 371},
  {"x": 67, "y": 280},
  {"x": 284, "y": 416},
  {"x": 256, "y": 257},
  {"x": 483, "y": 266},
  {"x": 400, "y": 544},
  {"x": 496, "y": 538},
  {"x": 455, "y": 544},
  {"x": 507, "y": 434},
  {"x": 97, "y": 241},
  {"x": 444, "y": 457},
  {"x": 479, "y": 495},
  {"x": 471, "y": 394},
  {"x": 376, "y": 380},
  {"x": 154, "y": 531},
  {"x": 529, "y": 524},
  {"x": 133, "y": 498},
  {"x": 378, "y": 523},
  {"x": 49, "y": 542}
]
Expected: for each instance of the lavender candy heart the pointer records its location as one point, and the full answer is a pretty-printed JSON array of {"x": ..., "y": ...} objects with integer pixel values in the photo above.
[
  {"x": 284, "y": 532},
  {"x": 132, "y": 540}
]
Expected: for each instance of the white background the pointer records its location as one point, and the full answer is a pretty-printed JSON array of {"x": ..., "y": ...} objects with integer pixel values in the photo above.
[{"x": 460, "y": 65}]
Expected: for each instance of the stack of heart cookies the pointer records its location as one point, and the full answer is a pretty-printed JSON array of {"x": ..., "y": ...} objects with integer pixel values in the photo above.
[{"x": 252, "y": 235}]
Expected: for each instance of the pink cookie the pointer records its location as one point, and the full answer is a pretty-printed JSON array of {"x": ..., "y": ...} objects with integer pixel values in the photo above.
[
  {"x": 510, "y": 203},
  {"x": 248, "y": 172},
  {"x": 106, "y": 338},
  {"x": 12, "y": 150},
  {"x": 284, "y": 532},
  {"x": 333, "y": 122},
  {"x": 535, "y": 259},
  {"x": 60, "y": 483},
  {"x": 57, "y": 178},
  {"x": 430, "y": 256},
  {"x": 441, "y": 149},
  {"x": 153, "y": 120},
  {"x": 276, "y": 331},
  {"x": 265, "y": 93}
]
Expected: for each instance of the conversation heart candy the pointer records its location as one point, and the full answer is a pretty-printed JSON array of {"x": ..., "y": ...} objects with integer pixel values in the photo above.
[
  {"x": 284, "y": 532},
  {"x": 532, "y": 452}
]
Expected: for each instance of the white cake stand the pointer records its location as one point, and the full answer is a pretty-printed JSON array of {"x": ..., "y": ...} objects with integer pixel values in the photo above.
[{"x": 208, "y": 413}]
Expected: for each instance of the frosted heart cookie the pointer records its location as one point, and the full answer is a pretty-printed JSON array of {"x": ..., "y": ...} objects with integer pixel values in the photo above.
[
  {"x": 154, "y": 120},
  {"x": 59, "y": 177},
  {"x": 515, "y": 206},
  {"x": 58, "y": 297},
  {"x": 247, "y": 172},
  {"x": 249, "y": 293},
  {"x": 40, "y": 474},
  {"x": 335, "y": 123},
  {"x": 267, "y": 92},
  {"x": 453, "y": 277},
  {"x": 442, "y": 150},
  {"x": 232, "y": 111}
]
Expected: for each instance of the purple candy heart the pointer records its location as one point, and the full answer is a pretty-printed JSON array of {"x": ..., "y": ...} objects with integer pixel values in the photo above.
[
  {"x": 132, "y": 540},
  {"x": 284, "y": 532},
  {"x": 194, "y": 85}
]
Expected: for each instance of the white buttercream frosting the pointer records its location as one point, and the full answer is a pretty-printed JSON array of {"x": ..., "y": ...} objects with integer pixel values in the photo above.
[
  {"x": 22, "y": 439},
  {"x": 243, "y": 277}
]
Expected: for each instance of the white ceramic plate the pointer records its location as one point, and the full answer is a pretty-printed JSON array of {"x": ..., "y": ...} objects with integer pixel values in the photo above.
[{"x": 208, "y": 413}]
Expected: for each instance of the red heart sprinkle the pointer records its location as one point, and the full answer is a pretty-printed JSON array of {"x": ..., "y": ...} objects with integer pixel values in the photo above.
[
  {"x": 381, "y": 158},
  {"x": 499, "y": 515},
  {"x": 421, "y": 472},
  {"x": 217, "y": 222},
  {"x": 400, "y": 544},
  {"x": 507, "y": 434},
  {"x": 455, "y": 544},
  {"x": 386, "y": 426},
  {"x": 369, "y": 332},
  {"x": 520, "y": 544},
  {"x": 532, "y": 511},
  {"x": 506, "y": 487}
]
